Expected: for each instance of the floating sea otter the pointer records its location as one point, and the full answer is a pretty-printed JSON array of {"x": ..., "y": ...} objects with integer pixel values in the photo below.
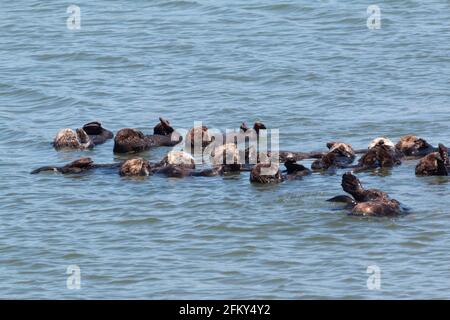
[
  {"x": 132, "y": 140},
  {"x": 78, "y": 166},
  {"x": 411, "y": 145},
  {"x": 294, "y": 169},
  {"x": 90, "y": 135},
  {"x": 198, "y": 136},
  {"x": 382, "y": 153},
  {"x": 340, "y": 155},
  {"x": 434, "y": 164},
  {"x": 70, "y": 139},
  {"x": 265, "y": 173},
  {"x": 366, "y": 202}
]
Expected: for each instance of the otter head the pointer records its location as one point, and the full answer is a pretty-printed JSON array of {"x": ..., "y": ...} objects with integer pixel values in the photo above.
[
  {"x": 341, "y": 149},
  {"x": 67, "y": 138},
  {"x": 179, "y": 159},
  {"x": 129, "y": 140},
  {"x": 266, "y": 173},
  {"x": 227, "y": 154},
  {"x": 411, "y": 145},
  {"x": 199, "y": 136},
  {"x": 243, "y": 127},
  {"x": 163, "y": 128},
  {"x": 381, "y": 141},
  {"x": 135, "y": 167},
  {"x": 259, "y": 126}
]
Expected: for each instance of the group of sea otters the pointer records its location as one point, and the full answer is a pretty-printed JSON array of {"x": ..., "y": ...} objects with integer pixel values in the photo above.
[{"x": 227, "y": 158}]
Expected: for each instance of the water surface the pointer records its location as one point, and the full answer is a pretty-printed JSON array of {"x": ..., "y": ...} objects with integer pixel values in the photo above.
[{"x": 310, "y": 68}]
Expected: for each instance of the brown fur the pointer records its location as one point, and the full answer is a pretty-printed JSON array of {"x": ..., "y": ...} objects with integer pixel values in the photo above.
[
  {"x": 135, "y": 167},
  {"x": 257, "y": 177},
  {"x": 69, "y": 139}
]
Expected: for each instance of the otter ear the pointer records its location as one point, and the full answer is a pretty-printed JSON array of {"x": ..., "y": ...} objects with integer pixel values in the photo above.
[{"x": 330, "y": 144}]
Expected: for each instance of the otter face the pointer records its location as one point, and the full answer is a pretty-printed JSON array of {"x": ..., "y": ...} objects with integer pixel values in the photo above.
[
  {"x": 225, "y": 154},
  {"x": 130, "y": 140},
  {"x": 259, "y": 126},
  {"x": 163, "y": 128},
  {"x": 135, "y": 167},
  {"x": 199, "y": 136},
  {"x": 411, "y": 145},
  {"x": 180, "y": 159},
  {"x": 69, "y": 139},
  {"x": 381, "y": 141},
  {"x": 265, "y": 173},
  {"x": 343, "y": 149}
]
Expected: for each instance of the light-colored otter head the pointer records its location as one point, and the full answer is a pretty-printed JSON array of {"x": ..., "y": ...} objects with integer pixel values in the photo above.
[
  {"x": 69, "y": 139},
  {"x": 341, "y": 148},
  {"x": 225, "y": 154},
  {"x": 199, "y": 136},
  {"x": 135, "y": 167},
  {"x": 180, "y": 159},
  {"x": 380, "y": 141},
  {"x": 412, "y": 145}
]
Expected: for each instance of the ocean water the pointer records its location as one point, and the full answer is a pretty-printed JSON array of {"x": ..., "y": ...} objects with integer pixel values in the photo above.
[{"x": 312, "y": 69}]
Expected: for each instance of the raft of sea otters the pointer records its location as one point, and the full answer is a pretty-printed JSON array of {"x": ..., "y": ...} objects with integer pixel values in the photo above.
[{"x": 226, "y": 157}]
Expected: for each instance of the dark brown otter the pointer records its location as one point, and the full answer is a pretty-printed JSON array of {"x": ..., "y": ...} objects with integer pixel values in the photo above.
[
  {"x": 434, "y": 164},
  {"x": 265, "y": 173},
  {"x": 259, "y": 126},
  {"x": 380, "y": 155},
  {"x": 97, "y": 133},
  {"x": 411, "y": 145},
  {"x": 340, "y": 155},
  {"x": 294, "y": 169},
  {"x": 366, "y": 202},
  {"x": 81, "y": 165},
  {"x": 163, "y": 128},
  {"x": 132, "y": 140}
]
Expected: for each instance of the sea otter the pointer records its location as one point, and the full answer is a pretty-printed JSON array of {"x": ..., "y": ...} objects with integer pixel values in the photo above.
[
  {"x": 135, "y": 167},
  {"x": 294, "y": 169},
  {"x": 69, "y": 139},
  {"x": 366, "y": 202},
  {"x": 81, "y": 165},
  {"x": 198, "y": 136},
  {"x": 265, "y": 173},
  {"x": 133, "y": 140},
  {"x": 178, "y": 158},
  {"x": 382, "y": 153},
  {"x": 97, "y": 133},
  {"x": 434, "y": 164},
  {"x": 411, "y": 145},
  {"x": 340, "y": 155}
]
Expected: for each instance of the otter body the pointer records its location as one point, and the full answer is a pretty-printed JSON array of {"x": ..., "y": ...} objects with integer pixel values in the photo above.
[
  {"x": 434, "y": 164},
  {"x": 366, "y": 202},
  {"x": 340, "y": 155}
]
